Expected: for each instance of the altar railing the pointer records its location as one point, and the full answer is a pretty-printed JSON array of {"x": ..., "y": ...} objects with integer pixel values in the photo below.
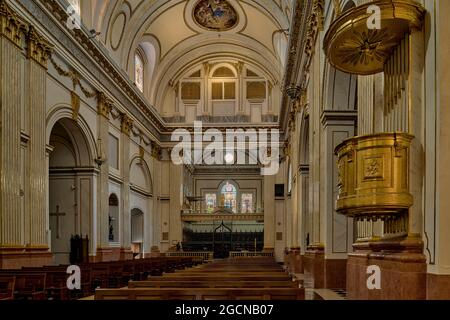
[
  {"x": 205, "y": 255},
  {"x": 248, "y": 254}
]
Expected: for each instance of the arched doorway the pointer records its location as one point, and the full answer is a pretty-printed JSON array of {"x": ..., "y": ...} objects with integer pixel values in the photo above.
[
  {"x": 141, "y": 189},
  {"x": 71, "y": 176},
  {"x": 137, "y": 231}
]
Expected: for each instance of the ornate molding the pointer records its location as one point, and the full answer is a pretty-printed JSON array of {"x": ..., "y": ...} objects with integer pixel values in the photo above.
[
  {"x": 126, "y": 124},
  {"x": 189, "y": 217},
  {"x": 38, "y": 48},
  {"x": 307, "y": 22},
  {"x": 104, "y": 105},
  {"x": 156, "y": 150},
  {"x": 352, "y": 48},
  {"x": 12, "y": 27},
  {"x": 75, "y": 76},
  {"x": 75, "y": 102}
]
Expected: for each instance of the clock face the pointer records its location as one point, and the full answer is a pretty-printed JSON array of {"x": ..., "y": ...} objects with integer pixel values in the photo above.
[{"x": 215, "y": 15}]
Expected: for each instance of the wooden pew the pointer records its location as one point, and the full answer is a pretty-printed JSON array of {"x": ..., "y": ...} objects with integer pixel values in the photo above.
[
  {"x": 50, "y": 282},
  {"x": 30, "y": 286},
  {"x": 7, "y": 284},
  {"x": 200, "y": 294},
  {"x": 214, "y": 284},
  {"x": 227, "y": 277}
]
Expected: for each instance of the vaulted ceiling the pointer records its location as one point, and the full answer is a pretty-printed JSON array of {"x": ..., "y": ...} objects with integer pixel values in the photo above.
[{"x": 174, "y": 42}]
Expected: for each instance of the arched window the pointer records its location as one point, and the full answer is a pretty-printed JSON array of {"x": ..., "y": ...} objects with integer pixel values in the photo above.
[
  {"x": 210, "y": 199},
  {"x": 247, "y": 203},
  {"x": 228, "y": 196},
  {"x": 223, "y": 85},
  {"x": 139, "y": 71}
]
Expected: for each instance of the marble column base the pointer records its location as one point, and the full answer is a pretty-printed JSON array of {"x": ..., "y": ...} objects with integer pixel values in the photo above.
[
  {"x": 403, "y": 270},
  {"x": 438, "y": 286},
  {"x": 16, "y": 258},
  {"x": 313, "y": 266},
  {"x": 335, "y": 273},
  {"x": 322, "y": 272}
]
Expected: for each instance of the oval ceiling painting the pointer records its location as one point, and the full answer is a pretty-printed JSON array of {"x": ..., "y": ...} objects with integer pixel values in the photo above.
[{"x": 216, "y": 15}]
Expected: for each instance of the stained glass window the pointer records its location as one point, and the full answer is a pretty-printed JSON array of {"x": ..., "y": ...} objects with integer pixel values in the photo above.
[
  {"x": 229, "y": 195},
  {"x": 210, "y": 200},
  {"x": 247, "y": 203},
  {"x": 139, "y": 72}
]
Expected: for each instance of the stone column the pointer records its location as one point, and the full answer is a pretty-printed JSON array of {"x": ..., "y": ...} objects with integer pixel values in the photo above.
[
  {"x": 11, "y": 56},
  {"x": 104, "y": 106},
  {"x": 38, "y": 53},
  {"x": 240, "y": 100},
  {"x": 175, "y": 226},
  {"x": 22, "y": 89},
  {"x": 206, "y": 107},
  {"x": 415, "y": 125},
  {"x": 303, "y": 205},
  {"x": 125, "y": 220},
  {"x": 269, "y": 213},
  {"x": 338, "y": 125}
]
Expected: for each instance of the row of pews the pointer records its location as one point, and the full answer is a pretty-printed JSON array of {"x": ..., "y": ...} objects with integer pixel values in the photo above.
[
  {"x": 50, "y": 282},
  {"x": 256, "y": 278}
]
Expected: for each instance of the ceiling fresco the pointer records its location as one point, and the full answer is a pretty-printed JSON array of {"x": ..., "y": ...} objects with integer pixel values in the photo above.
[{"x": 216, "y": 15}]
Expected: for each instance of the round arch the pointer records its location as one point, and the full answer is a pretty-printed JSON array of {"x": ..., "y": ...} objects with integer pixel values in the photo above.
[
  {"x": 79, "y": 130},
  {"x": 147, "y": 182}
]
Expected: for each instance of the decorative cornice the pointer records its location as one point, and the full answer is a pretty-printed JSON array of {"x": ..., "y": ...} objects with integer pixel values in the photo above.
[
  {"x": 307, "y": 22},
  {"x": 19, "y": 32},
  {"x": 83, "y": 47},
  {"x": 12, "y": 27}
]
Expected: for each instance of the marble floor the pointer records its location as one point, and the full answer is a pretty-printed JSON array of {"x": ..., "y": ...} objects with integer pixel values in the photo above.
[{"x": 320, "y": 294}]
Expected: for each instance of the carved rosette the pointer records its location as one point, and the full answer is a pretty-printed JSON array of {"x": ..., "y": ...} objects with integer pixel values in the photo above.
[
  {"x": 126, "y": 124},
  {"x": 373, "y": 173}
]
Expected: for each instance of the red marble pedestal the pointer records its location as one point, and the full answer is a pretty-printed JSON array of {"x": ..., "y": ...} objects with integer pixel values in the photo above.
[{"x": 402, "y": 265}]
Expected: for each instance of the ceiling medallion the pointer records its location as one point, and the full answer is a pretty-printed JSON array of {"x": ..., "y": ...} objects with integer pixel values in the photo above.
[{"x": 215, "y": 15}]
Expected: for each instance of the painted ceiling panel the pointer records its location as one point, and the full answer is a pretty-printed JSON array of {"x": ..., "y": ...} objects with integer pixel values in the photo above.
[{"x": 170, "y": 28}]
